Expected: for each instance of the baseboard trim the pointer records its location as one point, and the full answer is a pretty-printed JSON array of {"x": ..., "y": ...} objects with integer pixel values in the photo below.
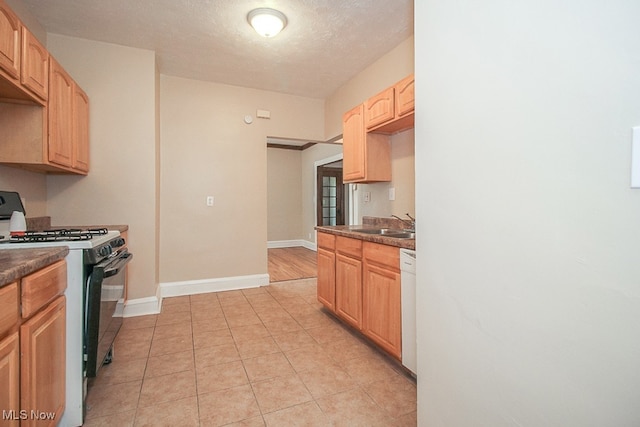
[
  {"x": 193, "y": 287},
  {"x": 141, "y": 307},
  {"x": 274, "y": 244}
]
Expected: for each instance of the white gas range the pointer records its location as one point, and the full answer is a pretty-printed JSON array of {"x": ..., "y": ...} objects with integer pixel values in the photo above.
[{"x": 95, "y": 282}]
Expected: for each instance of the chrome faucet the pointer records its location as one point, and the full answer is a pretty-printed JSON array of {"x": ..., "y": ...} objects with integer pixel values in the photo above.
[{"x": 411, "y": 222}]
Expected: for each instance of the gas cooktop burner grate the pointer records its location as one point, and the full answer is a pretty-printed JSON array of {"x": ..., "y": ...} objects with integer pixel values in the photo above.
[{"x": 61, "y": 235}]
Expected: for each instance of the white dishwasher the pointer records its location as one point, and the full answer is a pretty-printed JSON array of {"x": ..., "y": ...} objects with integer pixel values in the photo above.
[{"x": 408, "y": 304}]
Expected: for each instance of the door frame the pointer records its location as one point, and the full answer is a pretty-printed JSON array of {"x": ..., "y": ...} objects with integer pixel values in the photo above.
[
  {"x": 340, "y": 196},
  {"x": 316, "y": 164}
]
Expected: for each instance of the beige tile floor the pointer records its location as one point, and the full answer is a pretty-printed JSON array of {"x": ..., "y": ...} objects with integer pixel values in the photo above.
[{"x": 264, "y": 356}]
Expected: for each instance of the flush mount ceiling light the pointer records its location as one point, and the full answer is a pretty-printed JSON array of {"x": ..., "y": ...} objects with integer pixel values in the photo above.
[{"x": 267, "y": 22}]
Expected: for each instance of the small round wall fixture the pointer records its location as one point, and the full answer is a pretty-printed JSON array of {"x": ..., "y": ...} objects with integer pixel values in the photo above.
[{"x": 267, "y": 22}]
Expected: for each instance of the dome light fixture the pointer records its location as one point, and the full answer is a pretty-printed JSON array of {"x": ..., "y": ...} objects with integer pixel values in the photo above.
[{"x": 267, "y": 22}]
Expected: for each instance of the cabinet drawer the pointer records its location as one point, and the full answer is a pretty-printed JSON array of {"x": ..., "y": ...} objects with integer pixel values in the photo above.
[
  {"x": 327, "y": 241},
  {"x": 8, "y": 307},
  {"x": 383, "y": 255},
  {"x": 349, "y": 246},
  {"x": 43, "y": 286}
]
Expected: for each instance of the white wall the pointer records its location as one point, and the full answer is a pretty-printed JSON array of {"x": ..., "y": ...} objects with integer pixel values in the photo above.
[
  {"x": 528, "y": 255},
  {"x": 121, "y": 186}
]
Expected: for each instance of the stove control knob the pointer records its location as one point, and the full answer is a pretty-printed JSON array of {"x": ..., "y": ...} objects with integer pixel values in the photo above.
[
  {"x": 117, "y": 242},
  {"x": 105, "y": 250}
]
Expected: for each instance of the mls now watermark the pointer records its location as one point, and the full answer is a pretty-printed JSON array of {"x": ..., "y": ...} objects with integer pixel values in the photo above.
[{"x": 27, "y": 415}]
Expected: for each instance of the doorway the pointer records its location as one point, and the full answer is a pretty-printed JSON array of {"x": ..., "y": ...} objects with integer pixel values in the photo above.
[{"x": 330, "y": 201}]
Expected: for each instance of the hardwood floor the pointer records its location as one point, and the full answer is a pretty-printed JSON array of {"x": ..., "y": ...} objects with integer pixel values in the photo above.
[{"x": 291, "y": 264}]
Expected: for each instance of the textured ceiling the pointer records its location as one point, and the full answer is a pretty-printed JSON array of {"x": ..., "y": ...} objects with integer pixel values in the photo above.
[{"x": 325, "y": 43}]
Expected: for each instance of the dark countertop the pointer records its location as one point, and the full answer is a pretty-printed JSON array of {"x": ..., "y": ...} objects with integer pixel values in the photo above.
[
  {"x": 17, "y": 263},
  {"x": 347, "y": 231}
]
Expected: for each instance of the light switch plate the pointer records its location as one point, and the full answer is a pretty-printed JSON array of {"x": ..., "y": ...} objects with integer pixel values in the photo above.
[
  {"x": 635, "y": 158},
  {"x": 392, "y": 193}
]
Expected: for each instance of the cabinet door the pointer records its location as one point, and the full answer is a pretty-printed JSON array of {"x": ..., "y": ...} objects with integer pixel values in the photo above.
[
  {"x": 382, "y": 320},
  {"x": 405, "y": 96},
  {"x": 42, "y": 371},
  {"x": 326, "y": 278},
  {"x": 380, "y": 108},
  {"x": 10, "y": 379},
  {"x": 353, "y": 144},
  {"x": 60, "y": 110},
  {"x": 80, "y": 130},
  {"x": 35, "y": 65},
  {"x": 9, "y": 42},
  {"x": 349, "y": 290}
]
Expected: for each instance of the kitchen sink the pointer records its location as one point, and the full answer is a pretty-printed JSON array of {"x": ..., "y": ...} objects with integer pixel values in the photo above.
[
  {"x": 403, "y": 235},
  {"x": 378, "y": 231},
  {"x": 388, "y": 232}
]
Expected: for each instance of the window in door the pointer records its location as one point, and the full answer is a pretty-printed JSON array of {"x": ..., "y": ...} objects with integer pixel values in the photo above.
[{"x": 330, "y": 196}]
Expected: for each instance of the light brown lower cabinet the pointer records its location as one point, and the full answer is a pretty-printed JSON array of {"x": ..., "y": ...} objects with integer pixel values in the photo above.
[
  {"x": 42, "y": 369},
  {"x": 382, "y": 317},
  {"x": 326, "y": 281},
  {"x": 349, "y": 280},
  {"x": 33, "y": 349},
  {"x": 366, "y": 284},
  {"x": 10, "y": 379}
]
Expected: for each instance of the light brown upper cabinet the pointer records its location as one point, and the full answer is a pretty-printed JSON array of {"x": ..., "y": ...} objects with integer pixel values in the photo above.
[
  {"x": 391, "y": 110},
  {"x": 60, "y": 116},
  {"x": 9, "y": 42},
  {"x": 80, "y": 135},
  {"x": 366, "y": 157},
  {"x": 35, "y": 65},
  {"x": 380, "y": 108},
  {"x": 44, "y": 114},
  {"x": 365, "y": 129},
  {"x": 405, "y": 96}
]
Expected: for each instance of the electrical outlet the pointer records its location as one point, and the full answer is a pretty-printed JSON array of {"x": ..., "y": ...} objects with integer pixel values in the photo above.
[
  {"x": 209, "y": 200},
  {"x": 392, "y": 193}
]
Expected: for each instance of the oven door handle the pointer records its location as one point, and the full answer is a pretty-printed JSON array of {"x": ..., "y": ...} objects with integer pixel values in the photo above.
[{"x": 117, "y": 264}]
